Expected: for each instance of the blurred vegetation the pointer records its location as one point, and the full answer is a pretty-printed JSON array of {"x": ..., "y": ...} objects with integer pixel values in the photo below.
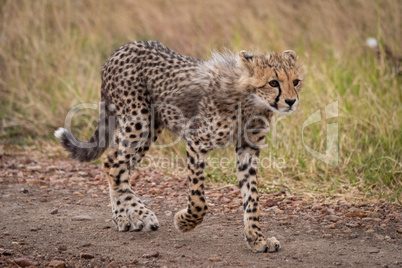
[{"x": 51, "y": 53}]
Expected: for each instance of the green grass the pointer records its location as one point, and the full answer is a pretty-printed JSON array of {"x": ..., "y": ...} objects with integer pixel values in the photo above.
[{"x": 51, "y": 53}]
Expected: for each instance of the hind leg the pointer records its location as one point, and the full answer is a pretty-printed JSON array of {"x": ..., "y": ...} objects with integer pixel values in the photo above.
[
  {"x": 129, "y": 213},
  {"x": 188, "y": 218}
]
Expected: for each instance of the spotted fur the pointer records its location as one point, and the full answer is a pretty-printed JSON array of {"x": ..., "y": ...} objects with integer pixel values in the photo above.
[{"x": 147, "y": 87}]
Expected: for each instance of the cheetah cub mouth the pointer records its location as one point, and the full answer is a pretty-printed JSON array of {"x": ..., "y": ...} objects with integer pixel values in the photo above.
[{"x": 260, "y": 103}]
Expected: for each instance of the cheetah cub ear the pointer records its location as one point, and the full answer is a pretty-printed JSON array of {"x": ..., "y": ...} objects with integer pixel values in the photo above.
[
  {"x": 245, "y": 56},
  {"x": 289, "y": 54},
  {"x": 248, "y": 60}
]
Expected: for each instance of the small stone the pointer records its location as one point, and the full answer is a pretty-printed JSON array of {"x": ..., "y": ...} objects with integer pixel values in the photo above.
[
  {"x": 354, "y": 236},
  {"x": 82, "y": 173},
  {"x": 146, "y": 199},
  {"x": 112, "y": 264},
  {"x": 214, "y": 259},
  {"x": 154, "y": 191},
  {"x": 352, "y": 224},
  {"x": 374, "y": 215},
  {"x": 287, "y": 201},
  {"x": 379, "y": 237},
  {"x": 271, "y": 203},
  {"x": 54, "y": 211},
  {"x": 23, "y": 262},
  {"x": 82, "y": 218},
  {"x": 399, "y": 230},
  {"x": 34, "y": 168},
  {"x": 178, "y": 246},
  {"x": 57, "y": 264},
  {"x": 373, "y": 250},
  {"x": 316, "y": 207},
  {"x": 86, "y": 245},
  {"x": 85, "y": 255},
  {"x": 62, "y": 248},
  {"x": 279, "y": 211},
  {"x": 332, "y": 218},
  {"x": 24, "y": 191},
  {"x": 151, "y": 254},
  {"x": 78, "y": 194},
  {"x": 32, "y": 181},
  {"x": 327, "y": 236},
  {"x": 43, "y": 199},
  {"x": 168, "y": 213},
  {"x": 51, "y": 168},
  {"x": 355, "y": 215},
  {"x": 331, "y": 226},
  {"x": 330, "y": 211},
  {"x": 8, "y": 252},
  {"x": 225, "y": 200}
]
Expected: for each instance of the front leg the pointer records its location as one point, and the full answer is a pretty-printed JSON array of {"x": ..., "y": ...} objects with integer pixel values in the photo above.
[
  {"x": 247, "y": 158},
  {"x": 187, "y": 219}
]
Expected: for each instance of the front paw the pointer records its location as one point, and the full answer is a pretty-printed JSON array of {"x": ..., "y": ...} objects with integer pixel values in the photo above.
[
  {"x": 273, "y": 244},
  {"x": 262, "y": 245},
  {"x": 257, "y": 242}
]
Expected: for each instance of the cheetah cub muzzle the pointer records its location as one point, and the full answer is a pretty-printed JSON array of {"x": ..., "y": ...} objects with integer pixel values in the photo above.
[{"x": 230, "y": 98}]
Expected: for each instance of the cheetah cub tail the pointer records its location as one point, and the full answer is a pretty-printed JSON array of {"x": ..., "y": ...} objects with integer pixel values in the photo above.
[
  {"x": 81, "y": 151},
  {"x": 60, "y": 132}
]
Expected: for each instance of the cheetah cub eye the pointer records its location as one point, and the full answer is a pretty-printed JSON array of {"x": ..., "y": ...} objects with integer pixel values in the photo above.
[{"x": 274, "y": 83}]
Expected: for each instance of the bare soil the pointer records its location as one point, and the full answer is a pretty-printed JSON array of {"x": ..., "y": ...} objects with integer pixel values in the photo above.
[{"x": 56, "y": 213}]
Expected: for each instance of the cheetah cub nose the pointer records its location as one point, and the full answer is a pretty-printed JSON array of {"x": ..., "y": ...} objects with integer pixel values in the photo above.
[{"x": 290, "y": 102}]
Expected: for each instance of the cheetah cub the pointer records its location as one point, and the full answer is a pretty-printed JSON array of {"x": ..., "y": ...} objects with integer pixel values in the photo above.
[{"x": 231, "y": 98}]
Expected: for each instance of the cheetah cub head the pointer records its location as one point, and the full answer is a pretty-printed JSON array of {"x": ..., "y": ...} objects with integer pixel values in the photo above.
[{"x": 273, "y": 80}]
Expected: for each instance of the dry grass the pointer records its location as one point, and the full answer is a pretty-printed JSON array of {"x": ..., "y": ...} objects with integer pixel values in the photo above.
[{"x": 51, "y": 53}]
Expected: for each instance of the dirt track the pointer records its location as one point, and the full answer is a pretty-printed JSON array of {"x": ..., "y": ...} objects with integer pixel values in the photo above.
[{"x": 41, "y": 202}]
